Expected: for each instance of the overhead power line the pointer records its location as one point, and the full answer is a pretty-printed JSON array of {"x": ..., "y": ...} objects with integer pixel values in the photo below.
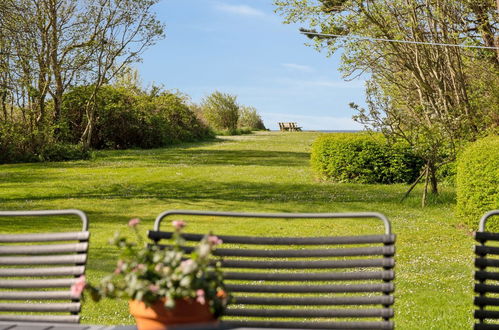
[{"x": 326, "y": 35}]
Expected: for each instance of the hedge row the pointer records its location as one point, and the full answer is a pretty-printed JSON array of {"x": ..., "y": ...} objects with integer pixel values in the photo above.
[
  {"x": 363, "y": 158},
  {"x": 127, "y": 120},
  {"x": 478, "y": 181}
]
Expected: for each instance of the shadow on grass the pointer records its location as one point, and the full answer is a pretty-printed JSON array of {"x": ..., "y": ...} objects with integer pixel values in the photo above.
[
  {"x": 193, "y": 191},
  {"x": 194, "y": 157}
]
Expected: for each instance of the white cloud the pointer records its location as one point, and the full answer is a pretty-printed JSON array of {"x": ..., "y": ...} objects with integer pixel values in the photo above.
[
  {"x": 298, "y": 67},
  {"x": 322, "y": 83},
  {"x": 239, "y": 10}
]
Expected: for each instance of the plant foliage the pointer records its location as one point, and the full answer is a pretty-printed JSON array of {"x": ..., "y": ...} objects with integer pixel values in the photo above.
[
  {"x": 149, "y": 273},
  {"x": 478, "y": 181},
  {"x": 363, "y": 158}
]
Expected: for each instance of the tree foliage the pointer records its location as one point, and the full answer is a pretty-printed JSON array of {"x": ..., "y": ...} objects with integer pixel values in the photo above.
[
  {"x": 432, "y": 96},
  {"x": 221, "y": 110},
  {"x": 50, "y": 46}
]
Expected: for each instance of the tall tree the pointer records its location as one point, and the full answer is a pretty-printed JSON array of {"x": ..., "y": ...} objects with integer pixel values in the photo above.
[
  {"x": 419, "y": 91},
  {"x": 52, "y": 45}
]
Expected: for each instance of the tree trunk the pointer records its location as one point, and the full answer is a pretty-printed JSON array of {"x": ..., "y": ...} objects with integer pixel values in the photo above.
[{"x": 433, "y": 178}]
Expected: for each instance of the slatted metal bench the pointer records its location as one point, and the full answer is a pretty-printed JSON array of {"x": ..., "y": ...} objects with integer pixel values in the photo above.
[
  {"x": 329, "y": 282},
  {"x": 487, "y": 275},
  {"x": 38, "y": 267}
]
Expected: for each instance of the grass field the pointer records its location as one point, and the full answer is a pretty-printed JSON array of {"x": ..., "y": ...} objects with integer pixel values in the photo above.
[{"x": 263, "y": 172}]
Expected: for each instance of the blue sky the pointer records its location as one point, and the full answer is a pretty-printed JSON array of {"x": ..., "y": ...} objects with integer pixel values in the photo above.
[{"x": 241, "y": 47}]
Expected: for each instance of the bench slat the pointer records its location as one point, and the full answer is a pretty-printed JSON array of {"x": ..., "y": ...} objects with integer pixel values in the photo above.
[
  {"x": 45, "y": 237},
  {"x": 354, "y": 312},
  {"x": 51, "y": 307},
  {"x": 484, "y": 326},
  {"x": 375, "y": 300},
  {"x": 486, "y": 236},
  {"x": 484, "y": 250},
  {"x": 43, "y": 249},
  {"x": 484, "y": 288},
  {"x": 483, "y": 314},
  {"x": 336, "y": 288},
  {"x": 347, "y": 252},
  {"x": 385, "y": 262},
  {"x": 53, "y": 271},
  {"x": 37, "y": 295},
  {"x": 41, "y": 318},
  {"x": 53, "y": 283},
  {"x": 485, "y": 301},
  {"x": 45, "y": 260},
  {"x": 337, "y": 276},
  {"x": 309, "y": 325},
  {"x": 256, "y": 240},
  {"x": 483, "y": 275},
  {"x": 485, "y": 262}
]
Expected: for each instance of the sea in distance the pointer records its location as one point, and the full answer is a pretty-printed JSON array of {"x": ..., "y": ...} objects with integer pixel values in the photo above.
[{"x": 327, "y": 130}]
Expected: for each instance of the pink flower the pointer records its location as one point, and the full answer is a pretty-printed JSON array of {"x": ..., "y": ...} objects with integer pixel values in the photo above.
[
  {"x": 200, "y": 296},
  {"x": 119, "y": 267},
  {"x": 78, "y": 286},
  {"x": 213, "y": 240},
  {"x": 187, "y": 266},
  {"x": 133, "y": 222},
  {"x": 139, "y": 267},
  {"x": 153, "y": 288},
  {"x": 178, "y": 224}
]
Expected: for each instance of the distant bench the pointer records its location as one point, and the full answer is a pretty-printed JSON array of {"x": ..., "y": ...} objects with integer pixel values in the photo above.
[{"x": 290, "y": 127}]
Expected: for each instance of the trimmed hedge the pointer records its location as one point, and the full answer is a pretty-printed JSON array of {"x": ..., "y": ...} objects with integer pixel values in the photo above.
[
  {"x": 363, "y": 158},
  {"x": 478, "y": 181}
]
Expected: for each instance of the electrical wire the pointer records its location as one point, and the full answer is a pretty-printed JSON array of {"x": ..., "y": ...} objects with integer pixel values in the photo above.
[{"x": 393, "y": 40}]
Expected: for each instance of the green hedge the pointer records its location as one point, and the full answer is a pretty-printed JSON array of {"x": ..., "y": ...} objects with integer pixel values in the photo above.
[
  {"x": 363, "y": 158},
  {"x": 478, "y": 181}
]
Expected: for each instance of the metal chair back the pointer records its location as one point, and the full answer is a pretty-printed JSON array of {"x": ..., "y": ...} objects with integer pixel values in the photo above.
[
  {"x": 487, "y": 275},
  {"x": 327, "y": 282},
  {"x": 37, "y": 271}
]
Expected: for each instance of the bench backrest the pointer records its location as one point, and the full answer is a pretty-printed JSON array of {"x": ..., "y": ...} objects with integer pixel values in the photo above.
[
  {"x": 292, "y": 282},
  {"x": 487, "y": 275},
  {"x": 37, "y": 267}
]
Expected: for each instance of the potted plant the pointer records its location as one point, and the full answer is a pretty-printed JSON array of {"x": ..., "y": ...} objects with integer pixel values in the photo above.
[{"x": 165, "y": 286}]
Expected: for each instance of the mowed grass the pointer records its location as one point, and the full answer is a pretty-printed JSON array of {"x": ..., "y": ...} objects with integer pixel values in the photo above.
[{"x": 263, "y": 172}]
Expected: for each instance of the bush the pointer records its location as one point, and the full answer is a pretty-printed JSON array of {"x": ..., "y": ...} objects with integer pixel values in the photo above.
[
  {"x": 478, "y": 181},
  {"x": 56, "y": 152},
  {"x": 15, "y": 144},
  {"x": 250, "y": 119},
  {"x": 221, "y": 111},
  {"x": 363, "y": 158},
  {"x": 129, "y": 120}
]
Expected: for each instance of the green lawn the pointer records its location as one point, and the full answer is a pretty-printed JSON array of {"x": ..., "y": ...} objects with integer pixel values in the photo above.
[{"x": 263, "y": 172}]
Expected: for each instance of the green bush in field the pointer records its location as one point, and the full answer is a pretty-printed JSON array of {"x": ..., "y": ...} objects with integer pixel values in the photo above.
[
  {"x": 478, "y": 181},
  {"x": 221, "y": 111},
  {"x": 363, "y": 158},
  {"x": 131, "y": 119},
  {"x": 250, "y": 119}
]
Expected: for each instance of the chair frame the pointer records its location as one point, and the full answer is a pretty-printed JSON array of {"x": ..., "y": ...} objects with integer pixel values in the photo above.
[
  {"x": 482, "y": 274},
  {"x": 67, "y": 259},
  {"x": 387, "y": 264}
]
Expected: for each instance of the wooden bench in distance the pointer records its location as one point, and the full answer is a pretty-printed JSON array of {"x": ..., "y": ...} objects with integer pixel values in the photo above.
[
  {"x": 289, "y": 127},
  {"x": 328, "y": 282}
]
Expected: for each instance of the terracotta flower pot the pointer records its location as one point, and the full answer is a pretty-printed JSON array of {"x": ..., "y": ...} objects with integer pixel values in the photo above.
[{"x": 158, "y": 317}]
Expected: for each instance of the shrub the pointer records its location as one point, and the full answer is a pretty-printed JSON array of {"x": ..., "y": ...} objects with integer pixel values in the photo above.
[
  {"x": 221, "y": 111},
  {"x": 128, "y": 120},
  {"x": 56, "y": 152},
  {"x": 249, "y": 118},
  {"x": 363, "y": 158},
  {"x": 478, "y": 181},
  {"x": 15, "y": 145}
]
